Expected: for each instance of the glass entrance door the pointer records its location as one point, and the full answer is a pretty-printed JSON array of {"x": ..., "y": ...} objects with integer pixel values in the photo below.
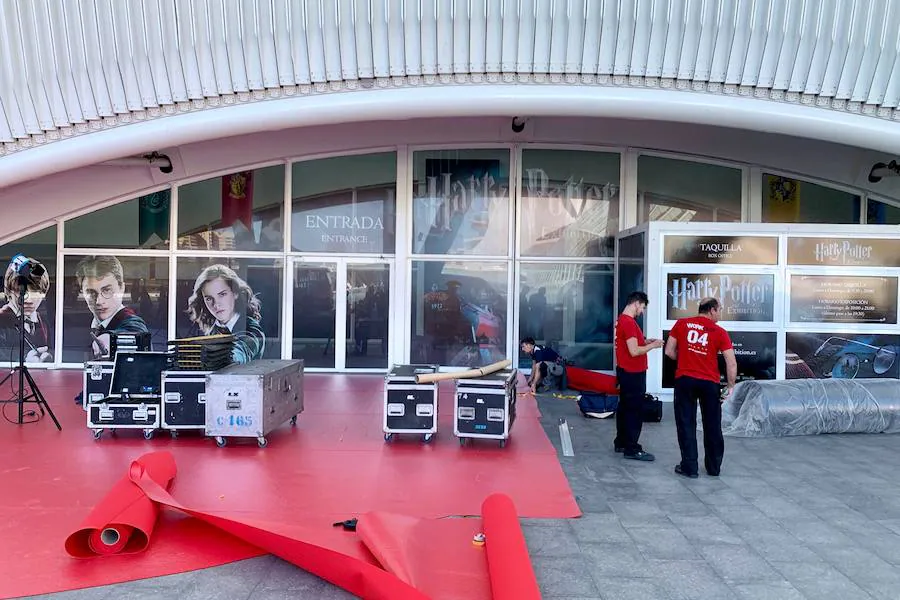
[{"x": 347, "y": 329}]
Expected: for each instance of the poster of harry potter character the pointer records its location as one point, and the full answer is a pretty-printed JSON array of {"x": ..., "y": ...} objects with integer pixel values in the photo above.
[
  {"x": 37, "y": 333},
  {"x": 101, "y": 282},
  {"x": 221, "y": 302}
]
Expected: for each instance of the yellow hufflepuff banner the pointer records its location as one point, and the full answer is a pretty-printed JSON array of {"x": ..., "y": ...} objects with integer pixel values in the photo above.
[{"x": 782, "y": 200}]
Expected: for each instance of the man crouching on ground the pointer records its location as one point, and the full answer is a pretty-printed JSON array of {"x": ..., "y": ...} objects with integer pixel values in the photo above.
[{"x": 545, "y": 362}]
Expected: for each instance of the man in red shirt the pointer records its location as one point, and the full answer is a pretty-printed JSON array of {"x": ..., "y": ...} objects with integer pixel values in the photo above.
[
  {"x": 631, "y": 372},
  {"x": 695, "y": 343}
]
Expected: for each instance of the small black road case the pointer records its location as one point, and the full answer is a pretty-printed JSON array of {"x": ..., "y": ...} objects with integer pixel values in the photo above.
[
  {"x": 184, "y": 400},
  {"x": 410, "y": 407},
  {"x": 485, "y": 407}
]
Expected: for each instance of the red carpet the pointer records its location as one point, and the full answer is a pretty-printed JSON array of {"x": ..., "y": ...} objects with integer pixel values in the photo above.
[{"x": 334, "y": 465}]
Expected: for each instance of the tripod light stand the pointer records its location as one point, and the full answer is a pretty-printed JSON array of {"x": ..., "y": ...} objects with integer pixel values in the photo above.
[{"x": 26, "y": 269}]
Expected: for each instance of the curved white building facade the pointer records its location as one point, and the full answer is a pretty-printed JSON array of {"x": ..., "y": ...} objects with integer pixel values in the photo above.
[{"x": 424, "y": 180}]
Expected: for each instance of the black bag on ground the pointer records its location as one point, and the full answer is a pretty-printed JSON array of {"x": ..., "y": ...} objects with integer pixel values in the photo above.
[
  {"x": 652, "y": 409},
  {"x": 597, "y": 406}
]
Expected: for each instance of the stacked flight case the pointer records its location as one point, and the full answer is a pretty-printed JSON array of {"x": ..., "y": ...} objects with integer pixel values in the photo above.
[
  {"x": 134, "y": 397},
  {"x": 485, "y": 407},
  {"x": 410, "y": 407}
]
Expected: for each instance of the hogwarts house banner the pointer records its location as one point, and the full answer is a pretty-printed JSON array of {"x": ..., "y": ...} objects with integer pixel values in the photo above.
[
  {"x": 153, "y": 218},
  {"x": 237, "y": 199},
  {"x": 782, "y": 199}
]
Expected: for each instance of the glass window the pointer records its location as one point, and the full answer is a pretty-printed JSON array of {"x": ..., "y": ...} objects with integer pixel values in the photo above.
[
  {"x": 570, "y": 203},
  {"x": 461, "y": 202},
  {"x": 315, "y": 291},
  {"x": 105, "y": 294},
  {"x": 40, "y": 298},
  {"x": 683, "y": 190},
  {"x": 368, "y": 315},
  {"x": 882, "y": 213},
  {"x": 344, "y": 204},
  {"x": 458, "y": 313},
  {"x": 787, "y": 200},
  {"x": 569, "y": 307},
  {"x": 631, "y": 270},
  {"x": 238, "y": 211},
  {"x": 241, "y": 296},
  {"x": 139, "y": 223}
]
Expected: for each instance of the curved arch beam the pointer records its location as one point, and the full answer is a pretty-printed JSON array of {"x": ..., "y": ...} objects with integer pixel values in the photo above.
[{"x": 451, "y": 101}]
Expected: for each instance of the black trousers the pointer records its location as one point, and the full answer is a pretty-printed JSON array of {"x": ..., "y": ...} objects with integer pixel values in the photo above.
[
  {"x": 688, "y": 393},
  {"x": 630, "y": 412}
]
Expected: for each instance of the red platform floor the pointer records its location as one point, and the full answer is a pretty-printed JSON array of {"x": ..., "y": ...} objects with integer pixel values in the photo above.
[{"x": 332, "y": 466}]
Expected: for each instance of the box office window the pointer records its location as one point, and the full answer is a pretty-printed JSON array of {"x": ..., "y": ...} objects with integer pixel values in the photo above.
[
  {"x": 569, "y": 307},
  {"x": 40, "y": 299},
  {"x": 237, "y": 296},
  {"x": 461, "y": 202},
  {"x": 138, "y": 223},
  {"x": 105, "y": 294},
  {"x": 345, "y": 204},
  {"x": 789, "y": 200},
  {"x": 570, "y": 203},
  {"x": 458, "y": 312},
  {"x": 237, "y": 211},
  {"x": 682, "y": 190}
]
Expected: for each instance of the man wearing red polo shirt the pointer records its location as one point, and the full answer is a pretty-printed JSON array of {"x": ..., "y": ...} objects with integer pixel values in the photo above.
[
  {"x": 631, "y": 372},
  {"x": 695, "y": 343}
]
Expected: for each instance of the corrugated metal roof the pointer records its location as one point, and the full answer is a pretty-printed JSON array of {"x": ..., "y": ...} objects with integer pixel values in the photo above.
[{"x": 72, "y": 66}]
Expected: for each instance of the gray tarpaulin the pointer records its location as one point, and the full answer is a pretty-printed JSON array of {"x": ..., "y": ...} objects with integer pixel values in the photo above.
[{"x": 812, "y": 406}]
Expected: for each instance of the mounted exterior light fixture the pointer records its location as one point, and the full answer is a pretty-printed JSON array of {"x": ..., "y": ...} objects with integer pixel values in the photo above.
[
  {"x": 879, "y": 170},
  {"x": 154, "y": 159}
]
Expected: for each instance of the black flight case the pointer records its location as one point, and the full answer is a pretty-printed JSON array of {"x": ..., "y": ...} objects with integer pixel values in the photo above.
[
  {"x": 410, "y": 407},
  {"x": 96, "y": 381},
  {"x": 485, "y": 407},
  {"x": 135, "y": 399},
  {"x": 184, "y": 400}
]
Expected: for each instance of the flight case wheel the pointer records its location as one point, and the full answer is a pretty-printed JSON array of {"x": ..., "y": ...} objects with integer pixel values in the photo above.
[
  {"x": 426, "y": 439},
  {"x": 220, "y": 441},
  {"x": 294, "y": 421},
  {"x": 262, "y": 442},
  {"x": 503, "y": 443},
  {"x": 388, "y": 437},
  {"x": 148, "y": 434},
  {"x": 173, "y": 433},
  {"x": 98, "y": 433}
]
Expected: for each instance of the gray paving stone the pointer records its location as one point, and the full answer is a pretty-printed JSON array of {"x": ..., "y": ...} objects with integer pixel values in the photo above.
[
  {"x": 600, "y": 529},
  {"x": 821, "y": 581},
  {"x": 616, "y": 560},
  {"x": 778, "y": 545},
  {"x": 639, "y": 513},
  {"x": 616, "y": 588},
  {"x": 738, "y": 563},
  {"x": 690, "y": 580},
  {"x": 767, "y": 591},
  {"x": 663, "y": 543},
  {"x": 708, "y": 529},
  {"x": 551, "y": 540},
  {"x": 570, "y": 576}
]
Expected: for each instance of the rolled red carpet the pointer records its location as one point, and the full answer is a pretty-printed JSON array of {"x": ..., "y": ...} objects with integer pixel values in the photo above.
[
  {"x": 124, "y": 520},
  {"x": 512, "y": 576},
  {"x": 134, "y": 503},
  {"x": 588, "y": 381}
]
